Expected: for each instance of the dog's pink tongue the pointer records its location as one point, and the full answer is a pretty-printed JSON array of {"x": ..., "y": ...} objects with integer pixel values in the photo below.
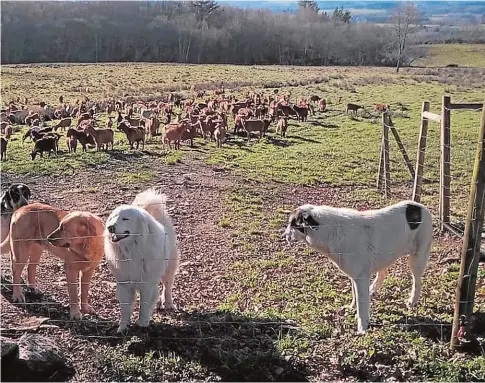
[{"x": 113, "y": 236}]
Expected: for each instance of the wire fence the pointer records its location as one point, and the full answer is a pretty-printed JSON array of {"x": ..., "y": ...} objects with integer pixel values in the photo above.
[{"x": 339, "y": 230}]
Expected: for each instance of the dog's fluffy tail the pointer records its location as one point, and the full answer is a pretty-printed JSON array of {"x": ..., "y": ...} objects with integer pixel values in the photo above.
[{"x": 153, "y": 201}]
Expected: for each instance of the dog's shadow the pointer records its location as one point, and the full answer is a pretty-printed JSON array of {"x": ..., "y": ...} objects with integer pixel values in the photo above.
[{"x": 232, "y": 346}]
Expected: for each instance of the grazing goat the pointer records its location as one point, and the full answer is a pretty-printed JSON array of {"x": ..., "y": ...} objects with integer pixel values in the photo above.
[
  {"x": 101, "y": 136},
  {"x": 282, "y": 126},
  {"x": 63, "y": 124},
  {"x": 133, "y": 134},
  {"x": 45, "y": 144},
  {"x": 3, "y": 148},
  {"x": 381, "y": 107},
  {"x": 353, "y": 108}
]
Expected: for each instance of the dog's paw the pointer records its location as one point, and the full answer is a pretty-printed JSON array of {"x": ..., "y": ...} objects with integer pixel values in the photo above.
[
  {"x": 75, "y": 314},
  {"x": 87, "y": 309},
  {"x": 122, "y": 328},
  {"x": 169, "y": 306},
  {"x": 20, "y": 298},
  {"x": 165, "y": 306},
  {"x": 143, "y": 322},
  {"x": 410, "y": 304}
]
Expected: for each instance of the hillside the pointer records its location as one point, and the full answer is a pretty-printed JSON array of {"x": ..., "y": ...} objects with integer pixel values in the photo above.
[{"x": 378, "y": 11}]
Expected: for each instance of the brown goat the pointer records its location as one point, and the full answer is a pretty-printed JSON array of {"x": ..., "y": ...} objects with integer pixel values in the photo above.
[
  {"x": 133, "y": 134},
  {"x": 282, "y": 126},
  {"x": 63, "y": 124},
  {"x": 253, "y": 126},
  {"x": 174, "y": 133},
  {"x": 31, "y": 117},
  {"x": 3, "y": 148},
  {"x": 71, "y": 142},
  {"x": 82, "y": 117},
  {"x": 381, "y": 107},
  {"x": 109, "y": 122},
  {"x": 81, "y": 136},
  {"x": 152, "y": 125},
  {"x": 101, "y": 136},
  {"x": 133, "y": 121},
  {"x": 220, "y": 135},
  {"x": 190, "y": 133},
  {"x": 8, "y": 132}
]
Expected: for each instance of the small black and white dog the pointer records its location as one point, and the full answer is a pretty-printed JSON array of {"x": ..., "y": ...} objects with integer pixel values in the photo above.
[{"x": 16, "y": 196}]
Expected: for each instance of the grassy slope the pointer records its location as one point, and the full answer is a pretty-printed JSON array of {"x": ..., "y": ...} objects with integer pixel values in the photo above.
[
  {"x": 464, "y": 55},
  {"x": 329, "y": 149}
]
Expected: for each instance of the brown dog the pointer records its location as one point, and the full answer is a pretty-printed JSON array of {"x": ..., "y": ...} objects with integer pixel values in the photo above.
[{"x": 76, "y": 238}]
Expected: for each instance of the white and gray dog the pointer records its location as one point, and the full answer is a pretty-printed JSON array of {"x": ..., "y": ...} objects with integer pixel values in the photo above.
[
  {"x": 361, "y": 243},
  {"x": 16, "y": 196}
]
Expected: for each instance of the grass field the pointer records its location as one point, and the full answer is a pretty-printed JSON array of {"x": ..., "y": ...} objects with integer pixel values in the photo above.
[
  {"x": 463, "y": 55},
  {"x": 252, "y": 307}
]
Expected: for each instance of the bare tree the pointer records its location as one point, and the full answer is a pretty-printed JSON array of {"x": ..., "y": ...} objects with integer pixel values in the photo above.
[{"x": 405, "y": 18}]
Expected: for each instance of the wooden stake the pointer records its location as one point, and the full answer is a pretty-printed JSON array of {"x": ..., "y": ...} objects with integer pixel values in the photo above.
[
  {"x": 423, "y": 133},
  {"x": 380, "y": 173},
  {"x": 465, "y": 290},
  {"x": 403, "y": 150},
  {"x": 385, "y": 140},
  {"x": 445, "y": 180}
]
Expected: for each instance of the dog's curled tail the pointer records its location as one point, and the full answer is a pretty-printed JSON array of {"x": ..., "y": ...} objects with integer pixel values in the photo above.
[{"x": 153, "y": 201}]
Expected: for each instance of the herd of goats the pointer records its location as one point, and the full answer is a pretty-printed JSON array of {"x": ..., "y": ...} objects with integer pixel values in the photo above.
[{"x": 183, "y": 119}]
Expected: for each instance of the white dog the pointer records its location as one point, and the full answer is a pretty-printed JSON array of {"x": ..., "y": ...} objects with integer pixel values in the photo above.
[
  {"x": 141, "y": 249},
  {"x": 362, "y": 243}
]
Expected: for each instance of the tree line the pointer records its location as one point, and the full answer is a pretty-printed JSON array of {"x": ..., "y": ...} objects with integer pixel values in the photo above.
[{"x": 188, "y": 32}]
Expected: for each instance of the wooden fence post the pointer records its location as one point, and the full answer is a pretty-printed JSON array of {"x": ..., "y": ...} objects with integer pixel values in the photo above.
[
  {"x": 385, "y": 149},
  {"x": 423, "y": 133},
  {"x": 402, "y": 148},
  {"x": 465, "y": 290},
  {"x": 445, "y": 180}
]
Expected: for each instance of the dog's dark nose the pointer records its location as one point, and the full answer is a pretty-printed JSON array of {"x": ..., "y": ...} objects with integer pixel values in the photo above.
[{"x": 111, "y": 228}]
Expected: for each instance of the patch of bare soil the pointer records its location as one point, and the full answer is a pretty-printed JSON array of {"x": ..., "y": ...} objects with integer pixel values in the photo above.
[{"x": 197, "y": 332}]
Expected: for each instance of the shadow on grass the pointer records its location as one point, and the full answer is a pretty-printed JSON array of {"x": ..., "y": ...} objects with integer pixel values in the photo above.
[
  {"x": 227, "y": 346},
  {"x": 325, "y": 125}
]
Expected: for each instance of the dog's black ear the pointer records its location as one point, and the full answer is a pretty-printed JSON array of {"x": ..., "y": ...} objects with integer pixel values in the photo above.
[
  {"x": 14, "y": 193},
  {"x": 25, "y": 191},
  {"x": 309, "y": 221},
  {"x": 303, "y": 219}
]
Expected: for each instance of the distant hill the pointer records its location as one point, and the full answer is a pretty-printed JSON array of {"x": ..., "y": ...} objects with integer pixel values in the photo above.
[{"x": 452, "y": 12}]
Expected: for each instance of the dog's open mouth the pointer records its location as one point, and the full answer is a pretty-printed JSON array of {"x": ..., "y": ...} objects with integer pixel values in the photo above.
[{"x": 118, "y": 237}]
